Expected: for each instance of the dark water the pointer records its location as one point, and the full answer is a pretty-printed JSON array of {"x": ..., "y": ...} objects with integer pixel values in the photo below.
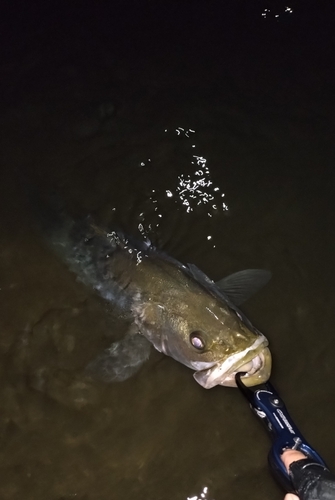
[{"x": 148, "y": 115}]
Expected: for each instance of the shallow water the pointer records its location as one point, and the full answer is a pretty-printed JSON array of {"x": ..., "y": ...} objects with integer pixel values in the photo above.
[{"x": 147, "y": 123}]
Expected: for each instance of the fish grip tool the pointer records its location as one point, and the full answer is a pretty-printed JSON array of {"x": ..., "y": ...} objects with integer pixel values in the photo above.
[{"x": 268, "y": 406}]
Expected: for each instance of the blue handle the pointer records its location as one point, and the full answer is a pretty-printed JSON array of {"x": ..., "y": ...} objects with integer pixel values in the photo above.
[{"x": 271, "y": 410}]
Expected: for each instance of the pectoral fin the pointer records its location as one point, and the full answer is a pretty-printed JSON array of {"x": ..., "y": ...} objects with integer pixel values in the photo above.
[{"x": 122, "y": 359}]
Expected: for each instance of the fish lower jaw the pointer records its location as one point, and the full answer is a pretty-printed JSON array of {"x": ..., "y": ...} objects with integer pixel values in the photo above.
[
  {"x": 256, "y": 371},
  {"x": 256, "y": 366}
]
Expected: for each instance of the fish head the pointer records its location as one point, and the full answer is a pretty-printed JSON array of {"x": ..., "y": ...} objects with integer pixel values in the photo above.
[{"x": 215, "y": 340}]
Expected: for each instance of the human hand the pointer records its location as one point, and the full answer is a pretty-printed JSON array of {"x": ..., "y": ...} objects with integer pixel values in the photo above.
[{"x": 288, "y": 457}]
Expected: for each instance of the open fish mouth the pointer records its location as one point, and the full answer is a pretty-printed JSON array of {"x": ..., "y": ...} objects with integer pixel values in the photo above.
[
  {"x": 256, "y": 367},
  {"x": 257, "y": 371}
]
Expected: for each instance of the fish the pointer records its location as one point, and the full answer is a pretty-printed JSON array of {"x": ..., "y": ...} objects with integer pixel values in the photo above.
[{"x": 172, "y": 306}]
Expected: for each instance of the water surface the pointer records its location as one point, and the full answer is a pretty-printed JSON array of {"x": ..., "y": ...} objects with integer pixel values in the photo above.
[{"x": 211, "y": 133}]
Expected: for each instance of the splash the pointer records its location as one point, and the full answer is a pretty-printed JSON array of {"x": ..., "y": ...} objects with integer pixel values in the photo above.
[
  {"x": 193, "y": 190},
  {"x": 203, "y": 495}
]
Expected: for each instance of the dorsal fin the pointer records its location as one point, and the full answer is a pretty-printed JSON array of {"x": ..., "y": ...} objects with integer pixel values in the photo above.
[{"x": 242, "y": 285}]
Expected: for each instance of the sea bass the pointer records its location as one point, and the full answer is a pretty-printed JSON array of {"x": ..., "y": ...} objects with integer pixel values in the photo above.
[{"x": 176, "y": 307}]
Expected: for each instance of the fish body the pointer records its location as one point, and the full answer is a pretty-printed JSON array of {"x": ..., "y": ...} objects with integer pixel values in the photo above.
[{"x": 177, "y": 308}]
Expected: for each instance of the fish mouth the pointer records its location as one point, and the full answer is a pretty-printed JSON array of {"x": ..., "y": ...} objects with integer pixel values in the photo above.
[
  {"x": 255, "y": 366},
  {"x": 255, "y": 372}
]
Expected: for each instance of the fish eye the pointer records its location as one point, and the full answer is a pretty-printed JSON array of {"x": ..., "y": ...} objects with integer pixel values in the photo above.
[{"x": 197, "y": 341}]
